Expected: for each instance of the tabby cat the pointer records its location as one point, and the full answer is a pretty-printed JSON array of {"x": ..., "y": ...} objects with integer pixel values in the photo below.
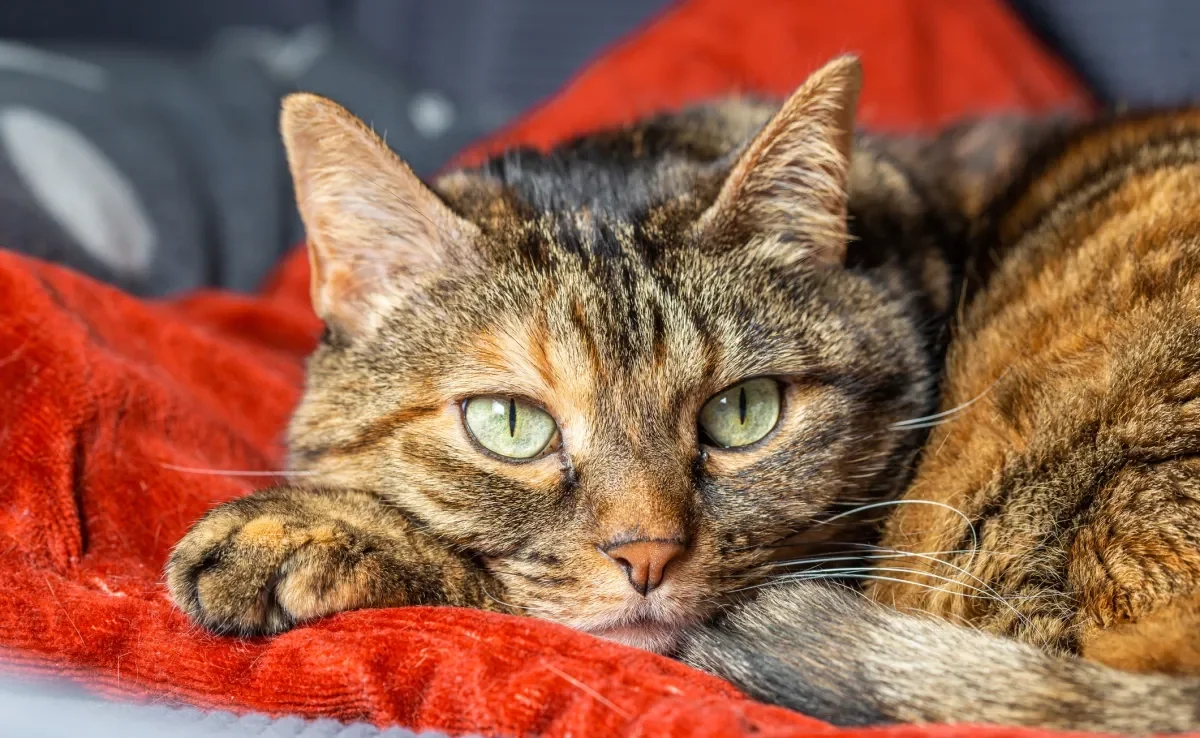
[
  {"x": 621, "y": 384},
  {"x": 1055, "y": 511},
  {"x": 605, "y": 385}
]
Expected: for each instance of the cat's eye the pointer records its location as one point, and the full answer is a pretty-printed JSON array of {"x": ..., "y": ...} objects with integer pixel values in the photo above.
[
  {"x": 509, "y": 427},
  {"x": 741, "y": 414}
]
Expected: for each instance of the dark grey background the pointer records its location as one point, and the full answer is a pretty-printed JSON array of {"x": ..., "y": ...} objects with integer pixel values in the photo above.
[
  {"x": 187, "y": 110},
  {"x": 492, "y": 58},
  {"x": 1130, "y": 52}
]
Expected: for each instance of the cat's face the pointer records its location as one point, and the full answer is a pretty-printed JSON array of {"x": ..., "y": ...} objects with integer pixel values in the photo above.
[{"x": 626, "y": 409}]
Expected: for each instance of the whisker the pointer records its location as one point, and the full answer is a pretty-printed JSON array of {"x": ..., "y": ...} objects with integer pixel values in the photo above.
[
  {"x": 888, "y": 553},
  {"x": 876, "y": 547},
  {"x": 856, "y": 553},
  {"x": 795, "y": 562},
  {"x": 986, "y": 592},
  {"x": 593, "y": 693},
  {"x": 927, "y": 421},
  {"x": 893, "y": 551},
  {"x": 854, "y": 501},
  {"x": 237, "y": 472},
  {"x": 527, "y": 608},
  {"x": 872, "y": 577},
  {"x": 934, "y": 558},
  {"x": 834, "y": 556},
  {"x": 814, "y": 560},
  {"x": 951, "y": 508},
  {"x": 894, "y": 570}
]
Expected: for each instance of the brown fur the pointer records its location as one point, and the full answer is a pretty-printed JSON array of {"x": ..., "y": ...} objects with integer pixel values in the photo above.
[
  {"x": 1057, "y": 501},
  {"x": 265, "y": 562},
  {"x": 1074, "y": 465}
]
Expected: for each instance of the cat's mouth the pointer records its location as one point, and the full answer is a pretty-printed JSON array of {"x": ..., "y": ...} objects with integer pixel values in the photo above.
[
  {"x": 653, "y": 623},
  {"x": 647, "y": 634},
  {"x": 642, "y": 626}
]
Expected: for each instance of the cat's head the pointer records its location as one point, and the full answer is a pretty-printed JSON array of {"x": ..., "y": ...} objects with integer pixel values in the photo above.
[{"x": 621, "y": 376}]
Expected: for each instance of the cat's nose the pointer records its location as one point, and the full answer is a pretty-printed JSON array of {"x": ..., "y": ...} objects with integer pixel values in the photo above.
[{"x": 645, "y": 561}]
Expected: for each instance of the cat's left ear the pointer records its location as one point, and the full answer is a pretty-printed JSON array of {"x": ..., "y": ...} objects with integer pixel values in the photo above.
[{"x": 787, "y": 190}]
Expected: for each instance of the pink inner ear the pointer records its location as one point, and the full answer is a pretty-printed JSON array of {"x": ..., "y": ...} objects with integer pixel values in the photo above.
[
  {"x": 371, "y": 222},
  {"x": 790, "y": 182}
]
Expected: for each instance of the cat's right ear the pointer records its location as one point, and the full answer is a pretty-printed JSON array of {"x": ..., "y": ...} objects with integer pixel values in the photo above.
[
  {"x": 373, "y": 227},
  {"x": 787, "y": 192}
]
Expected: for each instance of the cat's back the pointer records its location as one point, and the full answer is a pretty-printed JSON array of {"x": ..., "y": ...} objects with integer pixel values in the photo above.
[
  {"x": 1094, "y": 262},
  {"x": 1071, "y": 446},
  {"x": 1111, "y": 194}
]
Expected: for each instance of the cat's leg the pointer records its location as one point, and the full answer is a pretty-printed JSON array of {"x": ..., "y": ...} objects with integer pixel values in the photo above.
[
  {"x": 266, "y": 562},
  {"x": 1135, "y": 570},
  {"x": 1166, "y": 640}
]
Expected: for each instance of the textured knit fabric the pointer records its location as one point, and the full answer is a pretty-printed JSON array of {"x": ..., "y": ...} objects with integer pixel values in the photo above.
[{"x": 116, "y": 411}]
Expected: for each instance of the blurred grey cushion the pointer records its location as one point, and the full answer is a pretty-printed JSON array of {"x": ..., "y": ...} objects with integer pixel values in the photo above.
[
  {"x": 164, "y": 172},
  {"x": 1130, "y": 52},
  {"x": 145, "y": 151}
]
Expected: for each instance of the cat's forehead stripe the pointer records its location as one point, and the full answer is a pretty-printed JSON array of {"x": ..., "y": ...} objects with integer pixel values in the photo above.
[{"x": 580, "y": 322}]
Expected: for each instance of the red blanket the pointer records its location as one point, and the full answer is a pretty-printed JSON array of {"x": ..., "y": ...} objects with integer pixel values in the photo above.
[{"x": 113, "y": 408}]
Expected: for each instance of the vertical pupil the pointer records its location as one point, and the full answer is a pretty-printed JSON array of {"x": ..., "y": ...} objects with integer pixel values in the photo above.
[
  {"x": 742, "y": 405},
  {"x": 512, "y": 417}
]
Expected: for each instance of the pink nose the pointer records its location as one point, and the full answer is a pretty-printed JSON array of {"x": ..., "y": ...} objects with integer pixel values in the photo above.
[{"x": 645, "y": 562}]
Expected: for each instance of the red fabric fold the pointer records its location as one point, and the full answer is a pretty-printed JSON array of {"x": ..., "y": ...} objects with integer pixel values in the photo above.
[{"x": 116, "y": 410}]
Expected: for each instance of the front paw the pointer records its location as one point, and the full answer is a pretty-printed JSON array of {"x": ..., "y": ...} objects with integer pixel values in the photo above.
[{"x": 266, "y": 562}]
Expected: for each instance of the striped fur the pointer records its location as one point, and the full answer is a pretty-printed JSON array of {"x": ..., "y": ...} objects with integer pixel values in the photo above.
[{"x": 1056, "y": 510}]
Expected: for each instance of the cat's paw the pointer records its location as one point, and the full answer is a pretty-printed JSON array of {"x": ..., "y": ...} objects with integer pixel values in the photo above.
[{"x": 266, "y": 562}]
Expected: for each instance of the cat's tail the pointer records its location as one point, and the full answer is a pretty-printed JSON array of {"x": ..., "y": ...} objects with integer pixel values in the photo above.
[{"x": 833, "y": 654}]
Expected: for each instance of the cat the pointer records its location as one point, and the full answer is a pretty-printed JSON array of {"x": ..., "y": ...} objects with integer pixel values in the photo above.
[
  {"x": 606, "y": 385},
  {"x": 1050, "y": 539},
  {"x": 611, "y": 385}
]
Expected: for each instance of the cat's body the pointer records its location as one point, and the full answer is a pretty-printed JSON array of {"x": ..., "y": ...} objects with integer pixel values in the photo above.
[
  {"x": 1057, "y": 502},
  {"x": 636, "y": 297}
]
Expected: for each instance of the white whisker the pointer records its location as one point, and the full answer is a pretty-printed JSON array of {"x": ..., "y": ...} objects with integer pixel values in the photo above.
[
  {"x": 951, "y": 508},
  {"x": 852, "y": 556},
  {"x": 927, "y": 421},
  {"x": 934, "y": 557},
  {"x": 527, "y": 608},
  {"x": 895, "y": 570},
  {"x": 816, "y": 576},
  {"x": 237, "y": 472},
  {"x": 593, "y": 693}
]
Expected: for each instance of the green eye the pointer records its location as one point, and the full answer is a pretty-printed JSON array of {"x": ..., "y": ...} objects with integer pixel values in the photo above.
[
  {"x": 509, "y": 427},
  {"x": 742, "y": 414}
]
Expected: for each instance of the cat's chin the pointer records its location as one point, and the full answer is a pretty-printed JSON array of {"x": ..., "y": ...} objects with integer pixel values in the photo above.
[{"x": 648, "y": 636}]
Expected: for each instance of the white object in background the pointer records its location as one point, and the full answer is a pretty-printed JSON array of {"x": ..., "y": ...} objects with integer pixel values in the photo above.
[{"x": 80, "y": 188}]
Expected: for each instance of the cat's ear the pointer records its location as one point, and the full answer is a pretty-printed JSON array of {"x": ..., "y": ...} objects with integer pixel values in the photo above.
[
  {"x": 787, "y": 190},
  {"x": 372, "y": 226}
]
